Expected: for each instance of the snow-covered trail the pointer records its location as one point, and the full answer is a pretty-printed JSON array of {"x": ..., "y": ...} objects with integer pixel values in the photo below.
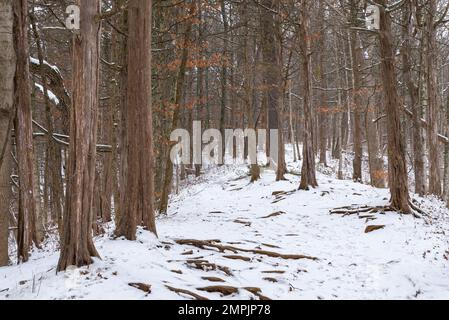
[{"x": 405, "y": 260}]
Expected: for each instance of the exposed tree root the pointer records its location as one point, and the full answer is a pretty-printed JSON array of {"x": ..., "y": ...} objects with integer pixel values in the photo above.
[
  {"x": 224, "y": 290},
  {"x": 246, "y": 223},
  {"x": 235, "y": 257},
  {"x": 274, "y": 214},
  {"x": 222, "y": 248},
  {"x": 186, "y": 292},
  {"x": 141, "y": 286},
  {"x": 206, "y": 265},
  {"x": 350, "y": 210},
  {"x": 271, "y": 246},
  {"x": 213, "y": 279},
  {"x": 257, "y": 292},
  {"x": 176, "y": 271}
]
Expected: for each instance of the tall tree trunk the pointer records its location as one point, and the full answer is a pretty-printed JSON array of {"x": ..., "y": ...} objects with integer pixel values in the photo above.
[
  {"x": 138, "y": 204},
  {"x": 413, "y": 91},
  {"x": 432, "y": 99},
  {"x": 8, "y": 67},
  {"x": 308, "y": 176},
  {"x": 356, "y": 61},
  {"x": 398, "y": 181},
  {"x": 53, "y": 152},
  {"x": 271, "y": 48},
  {"x": 77, "y": 246},
  {"x": 323, "y": 108},
  {"x": 247, "y": 85},
  {"x": 26, "y": 233},
  {"x": 376, "y": 162},
  {"x": 224, "y": 76},
  {"x": 179, "y": 86}
]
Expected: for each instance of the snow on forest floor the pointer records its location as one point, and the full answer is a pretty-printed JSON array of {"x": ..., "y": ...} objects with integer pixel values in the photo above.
[{"x": 405, "y": 260}]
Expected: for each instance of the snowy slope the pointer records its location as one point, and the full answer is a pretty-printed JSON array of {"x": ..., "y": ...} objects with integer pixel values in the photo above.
[{"x": 405, "y": 260}]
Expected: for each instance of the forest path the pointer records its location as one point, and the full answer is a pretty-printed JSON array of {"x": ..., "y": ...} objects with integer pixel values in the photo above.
[{"x": 405, "y": 259}]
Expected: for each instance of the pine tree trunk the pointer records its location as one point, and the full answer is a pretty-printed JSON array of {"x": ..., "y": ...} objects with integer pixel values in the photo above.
[{"x": 77, "y": 245}]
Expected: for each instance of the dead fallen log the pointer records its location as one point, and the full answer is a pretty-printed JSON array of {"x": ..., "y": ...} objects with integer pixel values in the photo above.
[
  {"x": 222, "y": 248},
  {"x": 186, "y": 292}
]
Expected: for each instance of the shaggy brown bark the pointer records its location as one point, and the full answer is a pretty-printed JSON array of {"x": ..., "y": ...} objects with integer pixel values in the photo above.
[
  {"x": 77, "y": 246},
  {"x": 398, "y": 181},
  {"x": 138, "y": 204},
  {"x": 8, "y": 66}
]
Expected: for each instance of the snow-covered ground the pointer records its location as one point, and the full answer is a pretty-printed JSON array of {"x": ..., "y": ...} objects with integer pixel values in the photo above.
[{"x": 407, "y": 259}]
